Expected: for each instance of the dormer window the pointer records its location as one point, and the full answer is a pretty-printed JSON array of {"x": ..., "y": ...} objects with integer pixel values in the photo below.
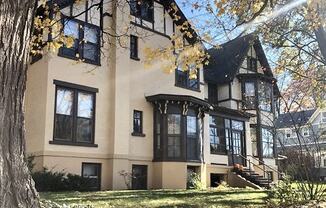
[
  {"x": 252, "y": 63},
  {"x": 143, "y": 9}
]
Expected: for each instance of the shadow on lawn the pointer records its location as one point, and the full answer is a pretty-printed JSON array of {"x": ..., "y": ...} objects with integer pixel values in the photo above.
[{"x": 186, "y": 198}]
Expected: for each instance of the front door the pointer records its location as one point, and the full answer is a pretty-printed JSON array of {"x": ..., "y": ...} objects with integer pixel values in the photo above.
[
  {"x": 139, "y": 177},
  {"x": 236, "y": 146}
]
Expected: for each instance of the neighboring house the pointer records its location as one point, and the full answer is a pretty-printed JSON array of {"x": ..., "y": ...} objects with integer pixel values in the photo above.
[
  {"x": 304, "y": 130},
  {"x": 107, "y": 114}
]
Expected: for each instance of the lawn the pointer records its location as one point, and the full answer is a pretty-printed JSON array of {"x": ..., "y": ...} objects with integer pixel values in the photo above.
[{"x": 162, "y": 198}]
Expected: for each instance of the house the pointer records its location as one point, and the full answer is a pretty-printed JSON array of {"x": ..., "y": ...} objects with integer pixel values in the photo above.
[
  {"x": 304, "y": 130},
  {"x": 107, "y": 114}
]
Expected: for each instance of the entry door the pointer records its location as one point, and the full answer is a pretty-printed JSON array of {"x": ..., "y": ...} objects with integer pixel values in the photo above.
[
  {"x": 236, "y": 148},
  {"x": 139, "y": 177}
]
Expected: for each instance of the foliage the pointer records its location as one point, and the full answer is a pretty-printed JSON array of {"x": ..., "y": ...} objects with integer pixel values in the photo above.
[
  {"x": 284, "y": 194},
  {"x": 163, "y": 198},
  {"x": 49, "y": 180},
  {"x": 127, "y": 178},
  {"x": 50, "y": 204},
  {"x": 194, "y": 181}
]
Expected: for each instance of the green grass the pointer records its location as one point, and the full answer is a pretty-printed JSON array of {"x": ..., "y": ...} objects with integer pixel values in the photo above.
[{"x": 162, "y": 198}]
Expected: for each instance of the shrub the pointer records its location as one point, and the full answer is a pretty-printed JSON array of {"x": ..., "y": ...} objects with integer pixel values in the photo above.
[
  {"x": 194, "y": 182},
  {"x": 284, "y": 194},
  {"x": 50, "y": 204},
  {"x": 49, "y": 180}
]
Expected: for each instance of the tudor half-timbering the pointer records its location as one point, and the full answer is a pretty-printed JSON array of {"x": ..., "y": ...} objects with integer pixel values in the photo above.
[
  {"x": 239, "y": 77},
  {"x": 106, "y": 114}
]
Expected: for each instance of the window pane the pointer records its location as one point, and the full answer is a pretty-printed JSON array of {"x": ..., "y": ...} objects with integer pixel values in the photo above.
[
  {"x": 85, "y": 105},
  {"x": 71, "y": 28},
  {"x": 174, "y": 147},
  {"x": 238, "y": 125},
  {"x": 227, "y": 123},
  {"x": 174, "y": 124},
  {"x": 84, "y": 130},
  {"x": 64, "y": 101},
  {"x": 63, "y": 127},
  {"x": 133, "y": 7},
  {"x": 191, "y": 125},
  {"x": 250, "y": 89},
  {"x": 90, "y": 170},
  {"x": 147, "y": 9},
  {"x": 265, "y": 96},
  {"x": 90, "y": 51},
  {"x": 90, "y": 34},
  {"x": 137, "y": 122}
]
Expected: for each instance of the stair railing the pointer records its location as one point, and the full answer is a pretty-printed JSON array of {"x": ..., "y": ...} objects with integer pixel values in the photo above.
[
  {"x": 253, "y": 164},
  {"x": 264, "y": 165}
]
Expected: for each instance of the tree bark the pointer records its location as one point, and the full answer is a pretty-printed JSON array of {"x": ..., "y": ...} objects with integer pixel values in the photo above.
[
  {"x": 16, "y": 185},
  {"x": 321, "y": 39}
]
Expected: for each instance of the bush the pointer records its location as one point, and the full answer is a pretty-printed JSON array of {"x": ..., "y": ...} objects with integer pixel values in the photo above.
[
  {"x": 50, "y": 204},
  {"x": 284, "y": 195},
  {"x": 49, "y": 180},
  {"x": 194, "y": 182}
]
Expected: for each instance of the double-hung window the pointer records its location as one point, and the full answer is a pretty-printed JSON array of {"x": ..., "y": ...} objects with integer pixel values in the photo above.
[
  {"x": 174, "y": 135},
  {"x": 268, "y": 142},
  {"x": 74, "y": 114},
  {"x": 138, "y": 123},
  {"x": 86, "y": 45},
  {"x": 192, "y": 137},
  {"x": 143, "y": 9},
  {"x": 134, "y": 47}
]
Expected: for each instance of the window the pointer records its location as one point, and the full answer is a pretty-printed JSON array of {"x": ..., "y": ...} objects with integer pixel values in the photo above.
[
  {"x": 139, "y": 177},
  {"x": 183, "y": 79},
  {"x": 143, "y": 9},
  {"x": 138, "y": 123},
  {"x": 134, "y": 47},
  {"x": 249, "y": 95},
  {"x": 157, "y": 129},
  {"x": 217, "y": 135},
  {"x": 212, "y": 93},
  {"x": 92, "y": 171},
  {"x": 74, "y": 114},
  {"x": 86, "y": 41},
  {"x": 174, "y": 135},
  {"x": 265, "y": 96},
  {"x": 252, "y": 63},
  {"x": 192, "y": 138},
  {"x": 253, "y": 135},
  {"x": 268, "y": 142},
  {"x": 288, "y": 133}
]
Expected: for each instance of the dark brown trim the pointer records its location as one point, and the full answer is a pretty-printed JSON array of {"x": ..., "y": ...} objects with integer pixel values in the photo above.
[
  {"x": 150, "y": 29},
  {"x": 99, "y": 172},
  {"x": 57, "y": 142},
  {"x": 75, "y": 86},
  {"x": 138, "y": 134}
]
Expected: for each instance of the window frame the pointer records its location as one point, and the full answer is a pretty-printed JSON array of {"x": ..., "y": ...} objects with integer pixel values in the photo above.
[
  {"x": 134, "y": 54},
  {"x": 135, "y": 133},
  {"x": 250, "y": 67},
  {"x": 80, "y": 45},
  {"x": 138, "y": 12},
  {"x": 76, "y": 89},
  {"x": 99, "y": 170},
  {"x": 264, "y": 98},
  {"x": 245, "y": 101},
  {"x": 186, "y": 85},
  {"x": 218, "y": 129},
  {"x": 269, "y": 143}
]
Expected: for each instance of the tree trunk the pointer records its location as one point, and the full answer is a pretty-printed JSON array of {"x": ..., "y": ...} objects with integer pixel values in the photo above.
[
  {"x": 321, "y": 39},
  {"x": 16, "y": 185}
]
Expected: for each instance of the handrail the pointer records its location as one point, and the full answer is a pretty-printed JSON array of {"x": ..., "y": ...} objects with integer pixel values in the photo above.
[
  {"x": 263, "y": 169},
  {"x": 260, "y": 161}
]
